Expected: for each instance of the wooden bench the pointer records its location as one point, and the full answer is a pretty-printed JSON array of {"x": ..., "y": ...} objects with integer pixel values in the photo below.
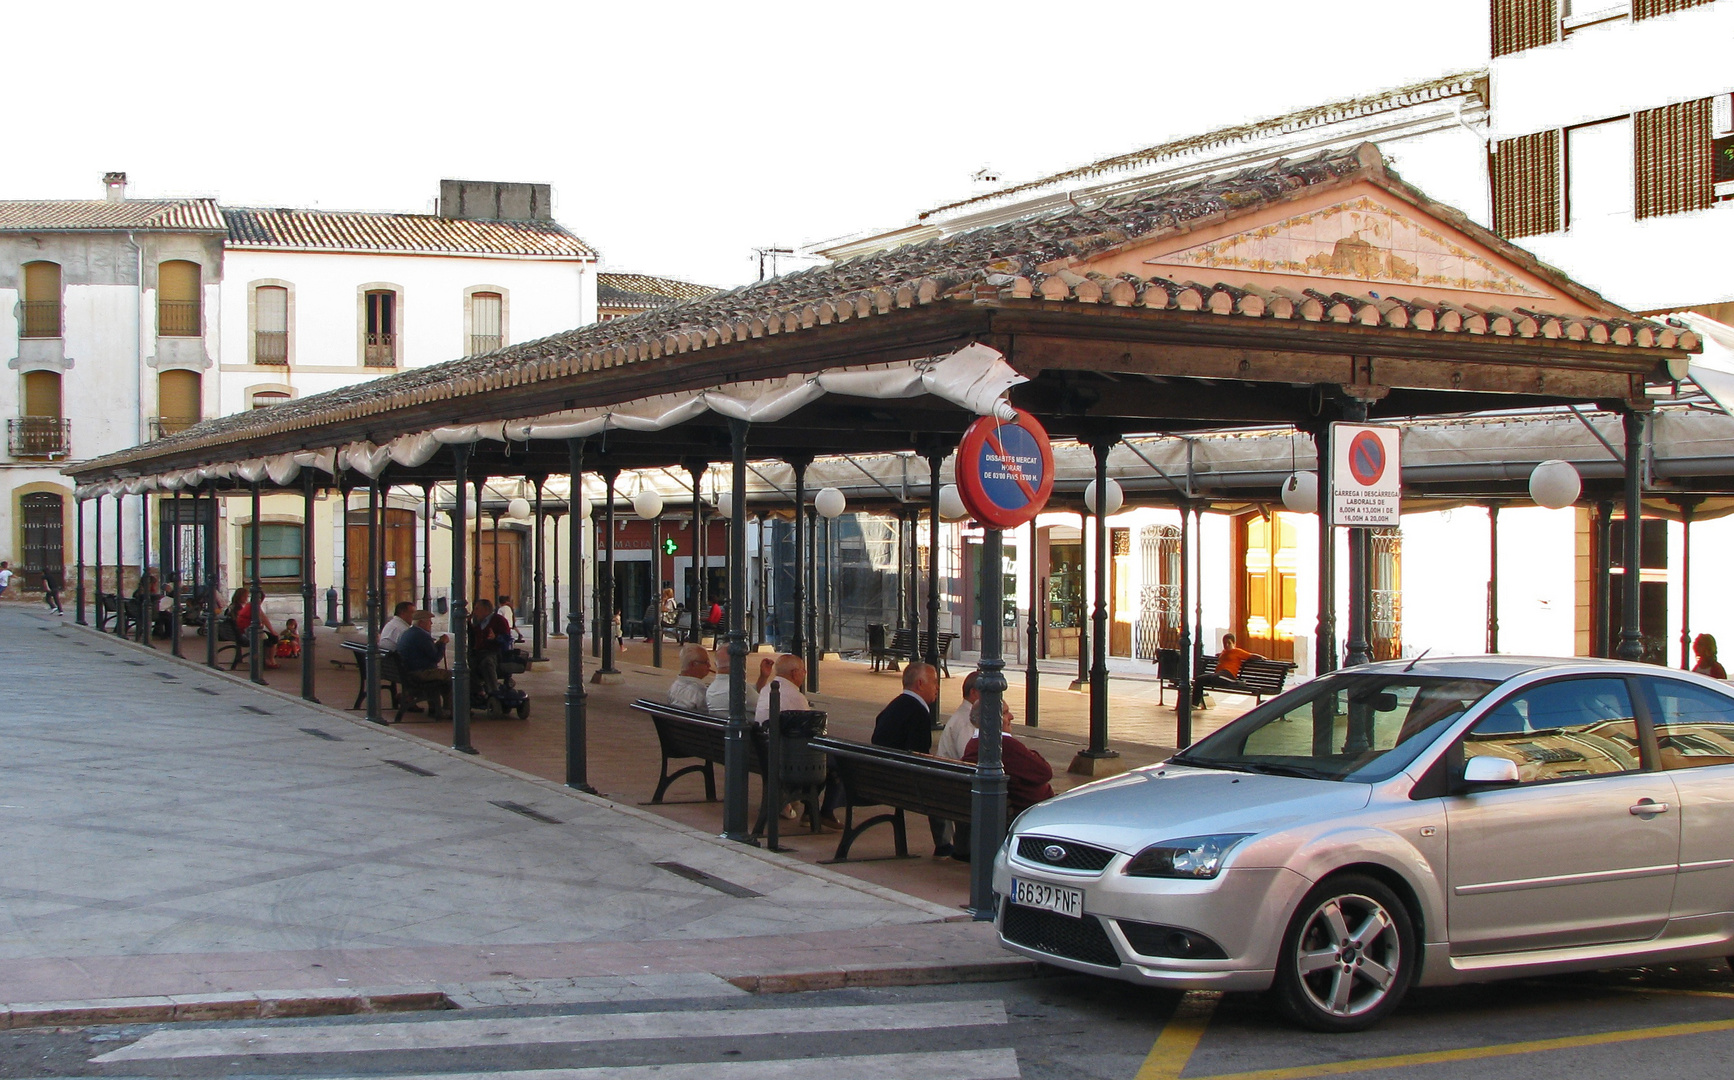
[
  {"x": 390, "y": 676},
  {"x": 878, "y": 776},
  {"x": 231, "y": 637},
  {"x": 686, "y": 735},
  {"x": 1259, "y": 678},
  {"x": 902, "y": 640}
]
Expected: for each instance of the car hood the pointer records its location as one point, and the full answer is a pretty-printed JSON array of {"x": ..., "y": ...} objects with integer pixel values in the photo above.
[{"x": 1165, "y": 802}]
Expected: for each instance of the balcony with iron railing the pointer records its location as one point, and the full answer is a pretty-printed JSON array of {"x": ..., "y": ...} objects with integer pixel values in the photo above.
[
  {"x": 484, "y": 343},
  {"x": 162, "y": 426},
  {"x": 178, "y": 318},
  {"x": 41, "y": 319},
  {"x": 39, "y": 437},
  {"x": 271, "y": 347},
  {"x": 380, "y": 350}
]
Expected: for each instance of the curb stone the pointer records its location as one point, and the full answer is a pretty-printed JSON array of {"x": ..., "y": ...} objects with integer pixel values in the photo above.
[{"x": 267, "y": 1005}]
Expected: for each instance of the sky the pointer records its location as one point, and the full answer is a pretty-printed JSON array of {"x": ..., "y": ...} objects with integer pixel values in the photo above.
[{"x": 678, "y": 136}]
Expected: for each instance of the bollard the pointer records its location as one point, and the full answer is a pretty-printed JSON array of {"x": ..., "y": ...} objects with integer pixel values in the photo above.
[{"x": 331, "y": 606}]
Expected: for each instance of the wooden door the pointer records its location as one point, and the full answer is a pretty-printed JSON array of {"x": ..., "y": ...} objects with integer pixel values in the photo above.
[
  {"x": 397, "y": 551},
  {"x": 1269, "y": 560},
  {"x": 44, "y": 520},
  {"x": 509, "y": 562}
]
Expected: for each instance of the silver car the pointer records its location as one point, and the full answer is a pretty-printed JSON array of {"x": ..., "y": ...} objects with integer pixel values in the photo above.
[{"x": 1398, "y": 824}]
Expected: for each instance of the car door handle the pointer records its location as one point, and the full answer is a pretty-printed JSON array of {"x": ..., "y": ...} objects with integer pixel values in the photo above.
[{"x": 1647, "y": 806}]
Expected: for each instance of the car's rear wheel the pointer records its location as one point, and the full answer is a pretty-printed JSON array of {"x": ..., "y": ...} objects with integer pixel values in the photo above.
[{"x": 1348, "y": 957}]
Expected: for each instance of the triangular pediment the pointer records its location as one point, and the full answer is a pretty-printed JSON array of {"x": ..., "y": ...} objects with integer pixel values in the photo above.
[{"x": 1353, "y": 240}]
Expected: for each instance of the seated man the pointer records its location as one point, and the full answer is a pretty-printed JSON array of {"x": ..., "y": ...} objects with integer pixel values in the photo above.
[
  {"x": 419, "y": 656},
  {"x": 1227, "y": 677},
  {"x": 688, "y": 689},
  {"x": 1027, "y": 776},
  {"x": 489, "y": 636},
  {"x": 717, "y": 697},
  {"x": 392, "y": 632},
  {"x": 789, "y": 675},
  {"x": 960, "y": 728},
  {"x": 907, "y": 722}
]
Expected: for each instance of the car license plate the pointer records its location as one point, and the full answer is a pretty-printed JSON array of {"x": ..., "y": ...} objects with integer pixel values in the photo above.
[{"x": 1039, "y": 894}]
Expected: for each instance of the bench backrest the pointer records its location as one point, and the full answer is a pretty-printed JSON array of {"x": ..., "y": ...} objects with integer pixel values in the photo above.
[
  {"x": 684, "y": 733},
  {"x": 878, "y": 776},
  {"x": 901, "y": 640}
]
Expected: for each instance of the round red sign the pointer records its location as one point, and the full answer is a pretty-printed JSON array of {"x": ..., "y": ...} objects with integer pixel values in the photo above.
[
  {"x": 1005, "y": 470},
  {"x": 1367, "y": 458}
]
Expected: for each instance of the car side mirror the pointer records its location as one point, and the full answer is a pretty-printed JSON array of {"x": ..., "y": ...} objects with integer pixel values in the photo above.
[{"x": 1487, "y": 769}]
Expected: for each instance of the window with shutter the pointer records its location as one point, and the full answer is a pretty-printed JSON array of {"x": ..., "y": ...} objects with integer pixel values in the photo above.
[
  {"x": 1526, "y": 185},
  {"x": 1671, "y": 148},
  {"x": 1523, "y": 24},
  {"x": 1649, "y": 9},
  {"x": 178, "y": 295},
  {"x": 271, "y": 325}
]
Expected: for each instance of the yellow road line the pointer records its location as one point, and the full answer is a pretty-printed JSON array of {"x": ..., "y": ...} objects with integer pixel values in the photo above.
[
  {"x": 1473, "y": 1053},
  {"x": 1180, "y": 1036}
]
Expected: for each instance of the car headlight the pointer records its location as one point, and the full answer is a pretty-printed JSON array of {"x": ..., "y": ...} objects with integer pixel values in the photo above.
[{"x": 1195, "y": 857}]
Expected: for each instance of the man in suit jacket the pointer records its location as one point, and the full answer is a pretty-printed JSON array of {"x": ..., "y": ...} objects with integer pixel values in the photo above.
[{"x": 907, "y": 722}]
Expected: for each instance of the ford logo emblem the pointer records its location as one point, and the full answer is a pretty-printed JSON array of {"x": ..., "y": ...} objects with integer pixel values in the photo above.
[{"x": 1053, "y": 853}]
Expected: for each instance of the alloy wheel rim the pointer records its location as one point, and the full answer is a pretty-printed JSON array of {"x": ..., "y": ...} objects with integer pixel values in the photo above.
[{"x": 1348, "y": 955}]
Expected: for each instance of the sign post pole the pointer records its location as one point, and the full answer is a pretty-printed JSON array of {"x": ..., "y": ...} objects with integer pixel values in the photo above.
[{"x": 1366, "y": 493}]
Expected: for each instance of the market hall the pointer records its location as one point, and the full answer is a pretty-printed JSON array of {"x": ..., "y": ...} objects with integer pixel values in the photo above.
[{"x": 1297, "y": 294}]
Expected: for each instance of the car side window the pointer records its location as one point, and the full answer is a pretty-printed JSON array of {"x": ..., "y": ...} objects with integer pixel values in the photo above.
[
  {"x": 1561, "y": 730},
  {"x": 1694, "y": 725}
]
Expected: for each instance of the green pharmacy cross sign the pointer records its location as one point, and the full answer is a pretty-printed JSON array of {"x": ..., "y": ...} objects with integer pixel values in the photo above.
[{"x": 669, "y": 547}]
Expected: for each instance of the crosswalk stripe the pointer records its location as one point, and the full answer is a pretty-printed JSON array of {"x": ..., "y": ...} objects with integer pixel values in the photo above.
[
  {"x": 945, "y": 1065},
  {"x": 510, "y": 1031}
]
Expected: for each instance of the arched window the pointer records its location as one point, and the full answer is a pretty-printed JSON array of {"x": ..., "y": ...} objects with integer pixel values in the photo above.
[
  {"x": 178, "y": 307},
  {"x": 179, "y": 401},
  {"x": 271, "y": 325},
  {"x": 264, "y": 399},
  {"x": 487, "y": 322},
  {"x": 41, "y": 300},
  {"x": 381, "y": 316},
  {"x": 42, "y": 393}
]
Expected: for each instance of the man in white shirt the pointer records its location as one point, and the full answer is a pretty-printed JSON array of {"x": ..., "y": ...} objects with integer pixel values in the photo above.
[
  {"x": 688, "y": 689},
  {"x": 717, "y": 698},
  {"x": 791, "y": 675},
  {"x": 395, "y": 626},
  {"x": 959, "y": 729}
]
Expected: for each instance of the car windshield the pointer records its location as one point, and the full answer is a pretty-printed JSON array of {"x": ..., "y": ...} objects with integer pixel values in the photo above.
[{"x": 1362, "y": 727}]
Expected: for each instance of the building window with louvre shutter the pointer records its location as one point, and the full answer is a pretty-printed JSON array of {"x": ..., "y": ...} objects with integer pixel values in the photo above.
[
  {"x": 1675, "y": 159},
  {"x": 484, "y": 319},
  {"x": 1524, "y": 24},
  {"x": 1649, "y": 9},
  {"x": 1526, "y": 185},
  {"x": 271, "y": 312}
]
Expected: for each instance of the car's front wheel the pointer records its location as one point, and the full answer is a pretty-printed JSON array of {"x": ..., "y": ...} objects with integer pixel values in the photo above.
[{"x": 1348, "y": 957}]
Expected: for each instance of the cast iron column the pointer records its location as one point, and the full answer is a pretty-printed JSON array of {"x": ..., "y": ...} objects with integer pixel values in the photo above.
[
  {"x": 213, "y": 603},
  {"x": 556, "y": 515},
  {"x": 172, "y": 557},
  {"x": 100, "y": 625},
  {"x": 656, "y": 589},
  {"x": 480, "y": 483},
  {"x": 735, "y": 749},
  {"x": 987, "y": 793},
  {"x": 1631, "y": 633},
  {"x": 309, "y": 595},
  {"x": 1686, "y": 508},
  {"x": 344, "y": 487},
  {"x": 78, "y": 606},
  {"x": 147, "y": 591},
  {"x": 914, "y": 585},
  {"x": 1492, "y": 577},
  {"x": 1033, "y": 671},
  {"x": 1099, "y": 622},
  {"x": 812, "y": 613},
  {"x": 539, "y": 632},
  {"x": 935, "y": 458},
  {"x": 119, "y": 564},
  {"x": 427, "y": 517},
  {"x": 373, "y": 601},
  {"x": 1325, "y": 648},
  {"x": 695, "y": 594},
  {"x": 797, "y": 644},
  {"x": 605, "y": 594},
  {"x": 1183, "y": 684},
  {"x": 577, "y": 700},
  {"x": 460, "y": 609},
  {"x": 1604, "y": 621},
  {"x": 255, "y": 629}
]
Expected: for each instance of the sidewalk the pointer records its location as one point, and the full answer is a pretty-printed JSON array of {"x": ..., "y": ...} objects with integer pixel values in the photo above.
[{"x": 172, "y": 832}]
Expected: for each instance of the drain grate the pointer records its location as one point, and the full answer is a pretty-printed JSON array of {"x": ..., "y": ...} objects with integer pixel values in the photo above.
[
  {"x": 520, "y": 808},
  {"x": 207, "y": 690},
  {"x": 134, "y": 663},
  {"x": 255, "y": 709},
  {"x": 166, "y": 675},
  {"x": 708, "y": 880},
  {"x": 326, "y": 735},
  {"x": 407, "y": 767}
]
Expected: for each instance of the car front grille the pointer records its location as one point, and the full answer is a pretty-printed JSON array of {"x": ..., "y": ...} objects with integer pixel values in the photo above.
[
  {"x": 1050, "y": 932},
  {"x": 1074, "y": 856}
]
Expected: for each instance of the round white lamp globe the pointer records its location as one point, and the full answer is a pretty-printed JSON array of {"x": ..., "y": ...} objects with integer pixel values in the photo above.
[
  {"x": 725, "y": 504},
  {"x": 1555, "y": 484},
  {"x": 472, "y": 509},
  {"x": 951, "y": 506},
  {"x": 647, "y": 504},
  {"x": 518, "y": 509},
  {"x": 1116, "y": 497},
  {"x": 830, "y": 502},
  {"x": 1300, "y": 492}
]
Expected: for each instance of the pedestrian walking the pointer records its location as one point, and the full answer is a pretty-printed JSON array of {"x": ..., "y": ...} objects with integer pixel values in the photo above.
[
  {"x": 5, "y": 576},
  {"x": 53, "y": 580}
]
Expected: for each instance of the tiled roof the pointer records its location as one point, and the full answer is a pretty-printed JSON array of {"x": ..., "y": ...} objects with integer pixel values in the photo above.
[
  {"x": 994, "y": 264},
  {"x": 644, "y": 291},
  {"x": 418, "y": 234},
  {"x": 1465, "y": 82},
  {"x": 133, "y": 215}
]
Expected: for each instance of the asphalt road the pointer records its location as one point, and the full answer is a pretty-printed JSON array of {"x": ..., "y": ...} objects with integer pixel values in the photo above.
[{"x": 1629, "y": 1025}]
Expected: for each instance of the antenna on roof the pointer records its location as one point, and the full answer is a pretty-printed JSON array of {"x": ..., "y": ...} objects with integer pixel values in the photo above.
[{"x": 772, "y": 253}]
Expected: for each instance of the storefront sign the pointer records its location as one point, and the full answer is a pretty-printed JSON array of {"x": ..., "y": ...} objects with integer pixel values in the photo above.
[
  {"x": 1005, "y": 470},
  {"x": 1366, "y": 485}
]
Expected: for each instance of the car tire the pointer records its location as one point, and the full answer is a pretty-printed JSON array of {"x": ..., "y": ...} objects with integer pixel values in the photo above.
[{"x": 1348, "y": 957}]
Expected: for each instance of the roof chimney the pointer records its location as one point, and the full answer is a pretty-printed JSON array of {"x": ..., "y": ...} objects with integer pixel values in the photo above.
[
  {"x": 492, "y": 200},
  {"x": 115, "y": 183}
]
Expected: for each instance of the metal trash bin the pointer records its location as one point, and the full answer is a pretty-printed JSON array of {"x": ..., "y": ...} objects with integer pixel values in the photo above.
[{"x": 802, "y": 766}]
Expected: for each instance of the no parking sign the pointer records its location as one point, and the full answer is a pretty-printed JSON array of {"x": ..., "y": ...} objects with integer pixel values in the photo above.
[
  {"x": 1005, "y": 470},
  {"x": 1366, "y": 486}
]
